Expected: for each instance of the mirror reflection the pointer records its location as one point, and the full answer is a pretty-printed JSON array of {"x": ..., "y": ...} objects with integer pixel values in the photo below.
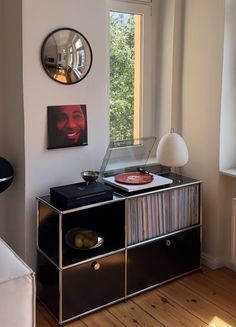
[{"x": 66, "y": 56}]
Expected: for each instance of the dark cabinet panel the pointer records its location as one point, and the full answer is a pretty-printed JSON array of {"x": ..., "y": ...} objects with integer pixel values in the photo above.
[
  {"x": 93, "y": 284},
  {"x": 48, "y": 284},
  {"x": 48, "y": 232},
  {"x": 158, "y": 261}
]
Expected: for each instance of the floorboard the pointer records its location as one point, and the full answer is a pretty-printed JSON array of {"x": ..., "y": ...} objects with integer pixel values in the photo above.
[
  {"x": 204, "y": 298},
  {"x": 167, "y": 311}
]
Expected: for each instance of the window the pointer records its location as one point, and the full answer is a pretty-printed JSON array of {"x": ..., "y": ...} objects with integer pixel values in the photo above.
[
  {"x": 127, "y": 30},
  {"x": 124, "y": 75}
]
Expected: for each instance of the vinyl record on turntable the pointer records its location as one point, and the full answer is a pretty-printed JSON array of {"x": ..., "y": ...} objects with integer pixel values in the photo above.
[{"x": 134, "y": 178}]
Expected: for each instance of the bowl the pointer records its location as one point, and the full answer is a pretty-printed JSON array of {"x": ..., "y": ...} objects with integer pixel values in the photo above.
[
  {"x": 83, "y": 239},
  {"x": 90, "y": 176}
]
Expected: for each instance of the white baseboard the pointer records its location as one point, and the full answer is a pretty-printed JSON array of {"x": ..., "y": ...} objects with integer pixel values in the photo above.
[
  {"x": 215, "y": 263},
  {"x": 211, "y": 262},
  {"x": 231, "y": 266}
]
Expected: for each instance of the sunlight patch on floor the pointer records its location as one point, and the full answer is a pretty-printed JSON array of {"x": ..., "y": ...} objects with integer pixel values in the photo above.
[{"x": 218, "y": 322}]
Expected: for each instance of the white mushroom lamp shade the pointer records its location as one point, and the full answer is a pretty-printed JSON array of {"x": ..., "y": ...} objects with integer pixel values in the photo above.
[{"x": 172, "y": 151}]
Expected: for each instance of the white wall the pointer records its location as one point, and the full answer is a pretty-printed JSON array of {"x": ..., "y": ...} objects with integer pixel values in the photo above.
[
  {"x": 168, "y": 65},
  {"x": 202, "y": 68},
  {"x": 201, "y": 102},
  {"x": 12, "y": 212},
  {"x": 46, "y": 168},
  {"x": 1, "y": 79},
  {"x": 2, "y": 225},
  {"x": 228, "y": 124},
  {"x": 27, "y": 93},
  {"x": 164, "y": 65}
]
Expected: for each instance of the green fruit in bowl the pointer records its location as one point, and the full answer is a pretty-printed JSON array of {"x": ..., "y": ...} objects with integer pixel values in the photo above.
[
  {"x": 85, "y": 239},
  {"x": 86, "y": 242},
  {"x": 92, "y": 242},
  {"x": 78, "y": 240}
]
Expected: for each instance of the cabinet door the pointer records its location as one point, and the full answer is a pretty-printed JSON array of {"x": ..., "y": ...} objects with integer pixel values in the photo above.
[
  {"x": 93, "y": 284},
  {"x": 166, "y": 258}
]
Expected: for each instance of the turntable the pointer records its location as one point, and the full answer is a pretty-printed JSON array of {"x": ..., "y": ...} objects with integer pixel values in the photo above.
[{"x": 125, "y": 166}]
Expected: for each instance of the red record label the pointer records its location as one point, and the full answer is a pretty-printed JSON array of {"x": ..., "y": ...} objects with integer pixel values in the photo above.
[{"x": 134, "y": 178}]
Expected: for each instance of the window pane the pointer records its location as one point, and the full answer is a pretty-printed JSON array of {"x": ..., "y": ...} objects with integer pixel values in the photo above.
[{"x": 124, "y": 75}]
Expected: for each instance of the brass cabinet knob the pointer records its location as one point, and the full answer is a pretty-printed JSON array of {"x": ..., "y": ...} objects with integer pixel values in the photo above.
[
  {"x": 96, "y": 265},
  {"x": 168, "y": 242}
]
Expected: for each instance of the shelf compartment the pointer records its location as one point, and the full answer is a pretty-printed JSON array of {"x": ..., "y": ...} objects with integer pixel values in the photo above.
[
  {"x": 152, "y": 215},
  {"x": 108, "y": 221}
]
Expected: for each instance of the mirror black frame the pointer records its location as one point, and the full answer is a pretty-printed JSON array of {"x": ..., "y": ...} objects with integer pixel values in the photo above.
[{"x": 83, "y": 39}]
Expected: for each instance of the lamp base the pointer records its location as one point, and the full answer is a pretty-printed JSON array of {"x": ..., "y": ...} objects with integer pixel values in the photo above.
[{"x": 178, "y": 174}]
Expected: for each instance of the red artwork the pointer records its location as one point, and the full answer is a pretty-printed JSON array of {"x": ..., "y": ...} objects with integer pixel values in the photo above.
[{"x": 67, "y": 126}]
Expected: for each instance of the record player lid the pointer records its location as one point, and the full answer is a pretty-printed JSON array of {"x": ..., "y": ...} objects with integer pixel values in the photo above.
[{"x": 127, "y": 155}]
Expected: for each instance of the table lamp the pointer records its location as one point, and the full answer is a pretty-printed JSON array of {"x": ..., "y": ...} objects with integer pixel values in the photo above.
[
  {"x": 172, "y": 151},
  {"x": 6, "y": 174}
]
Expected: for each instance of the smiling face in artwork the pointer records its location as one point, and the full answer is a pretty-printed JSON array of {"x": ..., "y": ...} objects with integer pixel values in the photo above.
[{"x": 71, "y": 122}]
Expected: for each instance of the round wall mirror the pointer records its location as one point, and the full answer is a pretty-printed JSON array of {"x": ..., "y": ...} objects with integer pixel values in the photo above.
[{"x": 66, "y": 56}]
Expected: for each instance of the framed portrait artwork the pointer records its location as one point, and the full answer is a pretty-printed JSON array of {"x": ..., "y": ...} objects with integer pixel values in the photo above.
[{"x": 67, "y": 126}]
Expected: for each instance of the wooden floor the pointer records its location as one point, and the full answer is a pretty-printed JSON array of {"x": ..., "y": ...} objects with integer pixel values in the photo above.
[{"x": 204, "y": 298}]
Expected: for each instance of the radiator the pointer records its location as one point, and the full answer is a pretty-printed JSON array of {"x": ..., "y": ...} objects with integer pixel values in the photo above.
[{"x": 233, "y": 233}]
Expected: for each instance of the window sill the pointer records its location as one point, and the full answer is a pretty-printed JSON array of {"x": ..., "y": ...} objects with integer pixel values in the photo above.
[{"x": 229, "y": 172}]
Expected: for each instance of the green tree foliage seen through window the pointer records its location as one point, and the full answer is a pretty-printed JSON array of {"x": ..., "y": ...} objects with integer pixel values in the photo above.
[{"x": 122, "y": 28}]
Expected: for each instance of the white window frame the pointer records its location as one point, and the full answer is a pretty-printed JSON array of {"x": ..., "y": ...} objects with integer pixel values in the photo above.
[{"x": 143, "y": 8}]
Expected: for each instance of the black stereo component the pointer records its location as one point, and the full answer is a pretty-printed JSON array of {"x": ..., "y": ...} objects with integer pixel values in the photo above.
[{"x": 79, "y": 194}]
